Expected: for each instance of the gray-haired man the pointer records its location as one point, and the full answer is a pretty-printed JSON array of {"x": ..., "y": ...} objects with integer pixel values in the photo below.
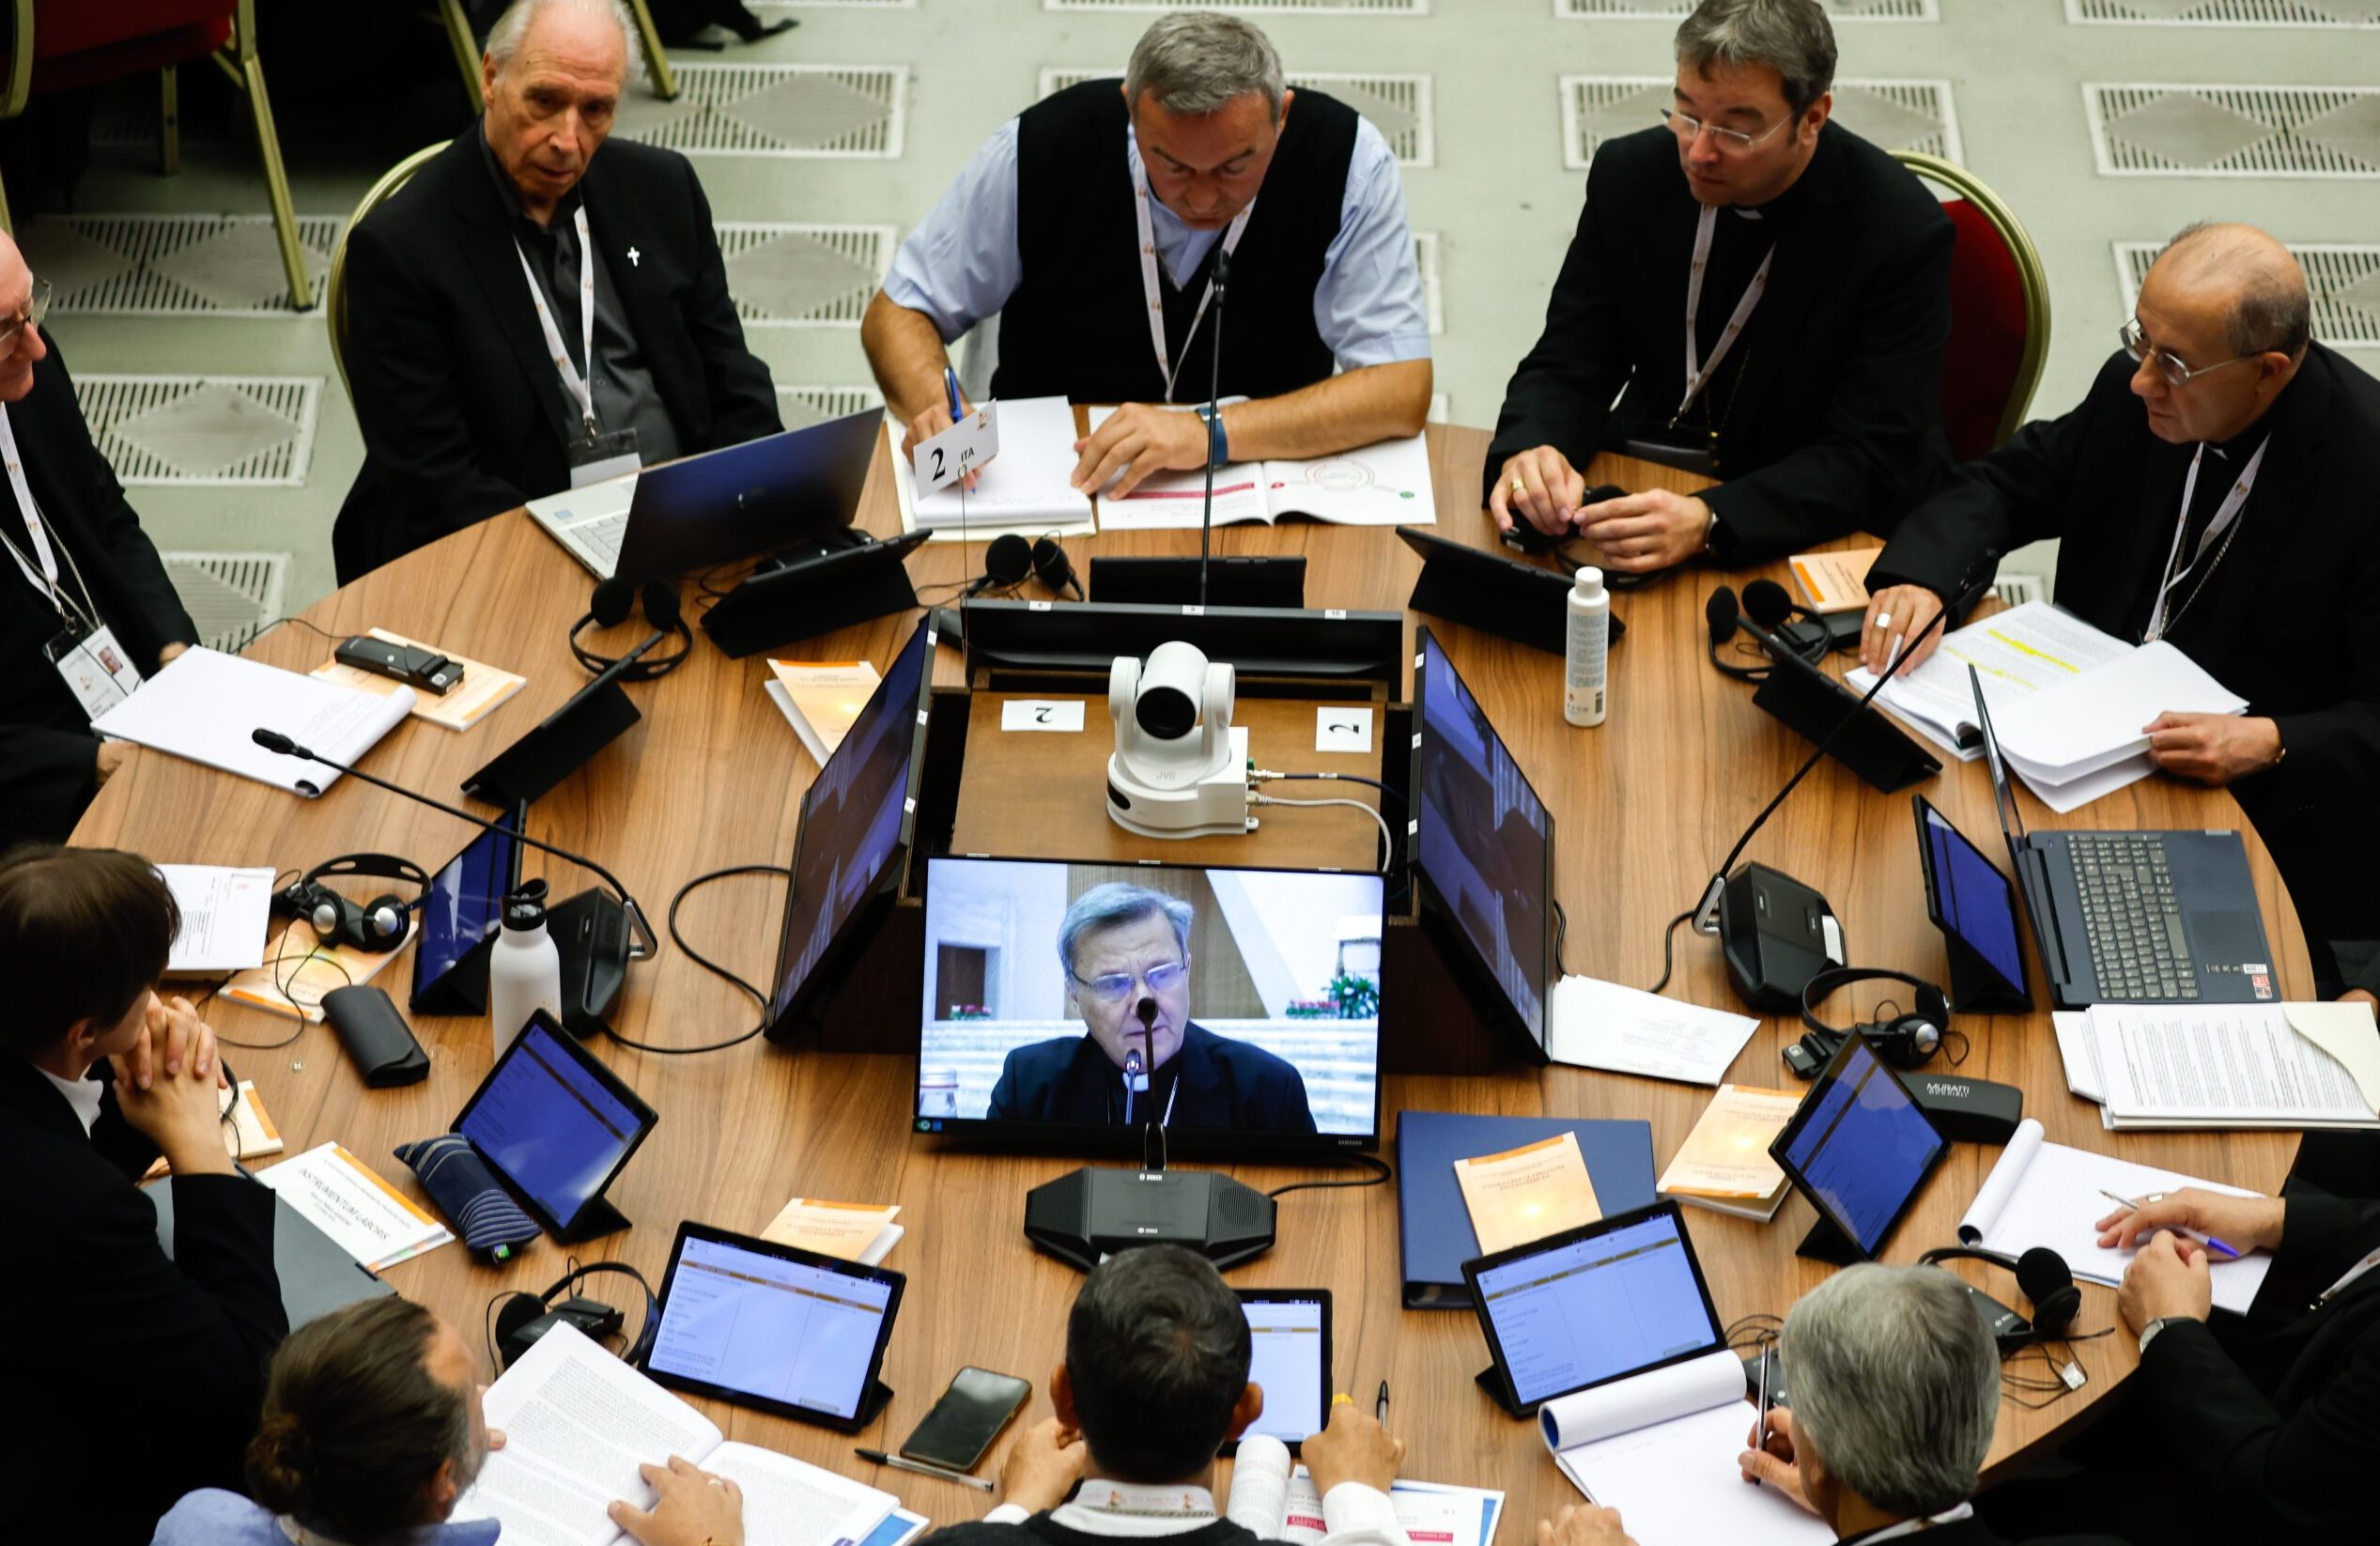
[
  {"x": 1095, "y": 222},
  {"x": 1124, "y": 947},
  {"x": 1896, "y": 1387}
]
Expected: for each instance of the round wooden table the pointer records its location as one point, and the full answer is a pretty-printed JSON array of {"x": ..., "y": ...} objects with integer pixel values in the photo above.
[{"x": 1645, "y": 804}]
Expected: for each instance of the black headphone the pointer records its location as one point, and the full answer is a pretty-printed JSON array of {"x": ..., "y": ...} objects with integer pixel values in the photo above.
[
  {"x": 1906, "y": 1041},
  {"x": 1008, "y": 558},
  {"x": 1765, "y": 603},
  {"x": 525, "y": 1316},
  {"x": 1054, "y": 569},
  {"x": 2042, "y": 1276},
  {"x": 611, "y": 603},
  {"x": 377, "y": 926}
]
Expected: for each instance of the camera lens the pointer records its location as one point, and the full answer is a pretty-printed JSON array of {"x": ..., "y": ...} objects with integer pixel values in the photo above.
[{"x": 1166, "y": 713}]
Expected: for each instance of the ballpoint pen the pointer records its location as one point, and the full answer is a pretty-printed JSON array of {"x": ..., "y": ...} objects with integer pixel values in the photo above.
[
  {"x": 1380, "y": 1408},
  {"x": 1760, "y": 1438},
  {"x": 950, "y": 384},
  {"x": 2206, "y": 1240},
  {"x": 878, "y": 1457}
]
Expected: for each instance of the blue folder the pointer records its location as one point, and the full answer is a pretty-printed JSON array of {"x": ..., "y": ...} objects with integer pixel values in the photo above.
[{"x": 1434, "y": 1236}]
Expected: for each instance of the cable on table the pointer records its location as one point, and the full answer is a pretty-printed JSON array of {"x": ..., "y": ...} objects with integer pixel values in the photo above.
[{"x": 709, "y": 964}]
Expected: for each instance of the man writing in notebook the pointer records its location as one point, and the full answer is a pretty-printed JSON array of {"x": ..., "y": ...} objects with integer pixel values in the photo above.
[
  {"x": 2213, "y": 489},
  {"x": 1112, "y": 226}
]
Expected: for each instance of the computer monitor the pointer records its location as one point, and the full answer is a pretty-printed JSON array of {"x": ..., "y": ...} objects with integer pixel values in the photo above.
[
  {"x": 1483, "y": 841},
  {"x": 1262, "y": 989},
  {"x": 856, "y": 821},
  {"x": 1858, "y": 1147}
]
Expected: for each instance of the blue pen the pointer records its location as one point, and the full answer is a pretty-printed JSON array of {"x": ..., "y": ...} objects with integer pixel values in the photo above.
[
  {"x": 950, "y": 384},
  {"x": 2207, "y": 1240}
]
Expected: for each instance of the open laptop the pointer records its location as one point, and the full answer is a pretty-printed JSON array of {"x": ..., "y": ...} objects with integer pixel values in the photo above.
[
  {"x": 798, "y": 485},
  {"x": 2134, "y": 917}
]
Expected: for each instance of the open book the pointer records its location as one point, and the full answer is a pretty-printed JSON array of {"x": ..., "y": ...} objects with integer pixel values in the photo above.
[
  {"x": 1382, "y": 485},
  {"x": 1660, "y": 1447},
  {"x": 577, "y": 1422}
]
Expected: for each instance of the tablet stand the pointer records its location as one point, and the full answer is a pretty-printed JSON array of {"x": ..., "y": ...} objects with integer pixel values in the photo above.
[
  {"x": 596, "y": 1220},
  {"x": 1492, "y": 1383},
  {"x": 1812, "y": 704},
  {"x": 1976, "y": 987},
  {"x": 872, "y": 1405},
  {"x": 817, "y": 593},
  {"x": 1825, "y": 1243}
]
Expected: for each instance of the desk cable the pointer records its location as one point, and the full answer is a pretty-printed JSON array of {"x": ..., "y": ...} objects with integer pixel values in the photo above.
[
  {"x": 709, "y": 964},
  {"x": 1387, "y": 840},
  {"x": 1373, "y": 1162}
]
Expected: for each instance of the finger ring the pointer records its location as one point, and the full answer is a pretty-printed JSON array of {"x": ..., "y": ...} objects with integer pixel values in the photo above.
[
  {"x": 1342, "y": 1398},
  {"x": 1519, "y": 486},
  {"x": 1883, "y": 620},
  {"x": 716, "y": 1482}
]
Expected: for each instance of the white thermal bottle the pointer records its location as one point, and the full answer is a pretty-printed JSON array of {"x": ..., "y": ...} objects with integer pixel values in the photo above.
[
  {"x": 524, "y": 969},
  {"x": 1587, "y": 646}
]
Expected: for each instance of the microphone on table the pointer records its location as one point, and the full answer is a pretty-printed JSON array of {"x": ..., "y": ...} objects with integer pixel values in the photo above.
[
  {"x": 592, "y": 930},
  {"x": 1151, "y": 1160},
  {"x": 1214, "y": 429}
]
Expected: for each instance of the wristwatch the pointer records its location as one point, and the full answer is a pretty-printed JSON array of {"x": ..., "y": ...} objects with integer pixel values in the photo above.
[
  {"x": 1218, "y": 443},
  {"x": 2148, "y": 1333}
]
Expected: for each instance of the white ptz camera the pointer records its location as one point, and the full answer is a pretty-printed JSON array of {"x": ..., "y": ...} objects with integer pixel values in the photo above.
[{"x": 1179, "y": 769}]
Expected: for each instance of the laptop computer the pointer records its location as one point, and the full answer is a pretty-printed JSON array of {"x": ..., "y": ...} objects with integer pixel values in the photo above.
[
  {"x": 2134, "y": 917},
  {"x": 797, "y": 485}
]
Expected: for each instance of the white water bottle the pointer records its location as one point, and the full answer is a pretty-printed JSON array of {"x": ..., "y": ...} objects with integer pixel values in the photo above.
[
  {"x": 1587, "y": 646},
  {"x": 524, "y": 969}
]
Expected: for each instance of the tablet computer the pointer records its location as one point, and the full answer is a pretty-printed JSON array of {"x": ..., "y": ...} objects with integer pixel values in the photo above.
[
  {"x": 462, "y": 910},
  {"x": 774, "y": 1327},
  {"x": 1289, "y": 1355},
  {"x": 1592, "y": 1305},
  {"x": 556, "y": 1127},
  {"x": 1859, "y": 1147}
]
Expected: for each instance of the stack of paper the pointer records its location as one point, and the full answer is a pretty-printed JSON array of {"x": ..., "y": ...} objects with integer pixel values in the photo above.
[
  {"x": 481, "y": 690},
  {"x": 1597, "y": 1024},
  {"x": 820, "y": 700},
  {"x": 225, "y": 913},
  {"x": 1528, "y": 1193},
  {"x": 857, "y": 1231},
  {"x": 2230, "y": 1065},
  {"x": 205, "y": 705},
  {"x": 1273, "y": 1501},
  {"x": 1724, "y": 1163},
  {"x": 1026, "y": 488},
  {"x": 1386, "y": 484}
]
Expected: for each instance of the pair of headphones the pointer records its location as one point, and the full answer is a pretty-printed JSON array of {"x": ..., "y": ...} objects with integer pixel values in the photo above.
[
  {"x": 521, "y": 1319},
  {"x": 1907, "y": 1040},
  {"x": 1765, "y": 603},
  {"x": 2042, "y": 1276},
  {"x": 1008, "y": 558},
  {"x": 611, "y": 603},
  {"x": 377, "y": 926}
]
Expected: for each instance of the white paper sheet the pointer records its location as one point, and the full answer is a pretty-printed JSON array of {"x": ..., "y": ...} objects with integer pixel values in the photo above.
[
  {"x": 2072, "y": 1030},
  {"x": 1597, "y": 1024},
  {"x": 2095, "y": 721},
  {"x": 1026, "y": 488},
  {"x": 205, "y": 705},
  {"x": 2219, "y": 1065},
  {"x": 225, "y": 913},
  {"x": 2017, "y": 653},
  {"x": 1386, "y": 484},
  {"x": 1057, "y": 716}
]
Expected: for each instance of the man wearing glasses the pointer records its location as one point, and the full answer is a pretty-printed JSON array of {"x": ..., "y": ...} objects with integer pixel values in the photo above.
[
  {"x": 1123, "y": 947},
  {"x": 1767, "y": 294},
  {"x": 2231, "y": 510},
  {"x": 88, "y": 610}
]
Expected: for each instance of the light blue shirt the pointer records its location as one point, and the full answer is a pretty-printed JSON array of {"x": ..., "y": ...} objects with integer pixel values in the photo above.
[
  {"x": 962, "y": 263},
  {"x": 213, "y": 1518}
]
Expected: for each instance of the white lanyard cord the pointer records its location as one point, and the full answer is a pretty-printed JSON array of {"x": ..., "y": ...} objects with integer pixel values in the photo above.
[
  {"x": 2225, "y": 514},
  {"x": 46, "y": 580},
  {"x": 580, "y": 388},
  {"x": 1698, "y": 372},
  {"x": 1148, "y": 275}
]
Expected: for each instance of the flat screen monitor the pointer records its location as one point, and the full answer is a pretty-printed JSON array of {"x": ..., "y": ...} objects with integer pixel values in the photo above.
[
  {"x": 1859, "y": 1147},
  {"x": 856, "y": 824},
  {"x": 1484, "y": 844},
  {"x": 554, "y": 1124},
  {"x": 1262, "y": 990}
]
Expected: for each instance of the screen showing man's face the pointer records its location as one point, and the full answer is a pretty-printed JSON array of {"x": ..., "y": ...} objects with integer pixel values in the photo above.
[{"x": 1112, "y": 973}]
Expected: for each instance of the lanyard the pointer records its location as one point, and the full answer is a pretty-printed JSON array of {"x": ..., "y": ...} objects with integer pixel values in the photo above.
[
  {"x": 1911, "y": 1526},
  {"x": 2225, "y": 514},
  {"x": 1123, "y": 1497},
  {"x": 2367, "y": 1264},
  {"x": 46, "y": 581},
  {"x": 1698, "y": 373},
  {"x": 1149, "y": 274},
  {"x": 580, "y": 390}
]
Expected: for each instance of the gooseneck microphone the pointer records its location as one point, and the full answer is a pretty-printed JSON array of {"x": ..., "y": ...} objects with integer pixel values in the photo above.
[
  {"x": 1151, "y": 1160},
  {"x": 1215, "y": 425}
]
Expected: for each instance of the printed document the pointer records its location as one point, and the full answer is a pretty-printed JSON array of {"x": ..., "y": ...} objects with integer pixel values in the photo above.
[
  {"x": 1385, "y": 483},
  {"x": 1527, "y": 1193},
  {"x": 2235, "y": 1065},
  {"x": 204, "y": 706},
  {"x": 226, "y": 912},
  {"x": 2017, "y": 653},
  {"x": 341, "y": 1196},
  {"x": 1604, "y": 1025}
]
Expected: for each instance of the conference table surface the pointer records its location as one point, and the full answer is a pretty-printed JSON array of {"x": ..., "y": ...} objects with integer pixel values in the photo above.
[{"x": 1645, "y": 804}]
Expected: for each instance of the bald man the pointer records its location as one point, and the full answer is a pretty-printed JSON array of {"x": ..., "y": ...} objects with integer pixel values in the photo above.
[
  {"x": 89, "y": 613},
  {"x": 477, "y": 294},
  {"x": 2219, "y": 487}
]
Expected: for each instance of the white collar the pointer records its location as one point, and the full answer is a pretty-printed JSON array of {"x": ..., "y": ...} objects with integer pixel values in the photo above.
[
  {"x": 82, "y": 1094},
  {"x": 1912, "y": 1526},
  {"x": 1142, "y": 1500}
]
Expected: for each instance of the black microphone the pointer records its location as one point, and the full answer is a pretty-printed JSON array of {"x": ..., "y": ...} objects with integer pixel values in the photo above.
[
  {"x": 1214, "y": 426},
  {"x": 1153, "y": 1161}
]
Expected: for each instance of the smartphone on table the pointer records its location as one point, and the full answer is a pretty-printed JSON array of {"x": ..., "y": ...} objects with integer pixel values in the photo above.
[{"x": 967, "y": 1418}]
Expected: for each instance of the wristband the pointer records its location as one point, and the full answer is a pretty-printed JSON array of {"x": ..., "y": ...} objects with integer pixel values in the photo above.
[{"x": 1218, "y": 441}]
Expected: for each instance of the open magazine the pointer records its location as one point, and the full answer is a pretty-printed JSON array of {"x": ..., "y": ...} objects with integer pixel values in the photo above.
[{"x": 1382, "y": 485}]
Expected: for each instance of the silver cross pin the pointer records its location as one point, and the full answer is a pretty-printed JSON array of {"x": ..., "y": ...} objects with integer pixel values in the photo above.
[{"x": 635, "y": 257}]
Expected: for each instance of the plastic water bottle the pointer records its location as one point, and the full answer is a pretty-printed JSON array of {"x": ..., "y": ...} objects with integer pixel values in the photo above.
[
  {"x": 524, "y": 970},
  {"x": 1587, "y": 646}
]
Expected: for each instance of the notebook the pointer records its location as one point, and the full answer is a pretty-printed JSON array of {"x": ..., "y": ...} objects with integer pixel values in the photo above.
[
  {"x": 205, "y": 705},
  {"x": 1434, "y": 1233}
]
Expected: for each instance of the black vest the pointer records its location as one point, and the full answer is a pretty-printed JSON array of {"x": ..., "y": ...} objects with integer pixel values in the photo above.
[{"x": 1077, "y": 327}]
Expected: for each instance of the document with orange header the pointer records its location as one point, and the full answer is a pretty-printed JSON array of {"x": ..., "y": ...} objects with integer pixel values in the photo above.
[
  {"x": 1833, "y": 583},
  {"x": 857, "y": 1231},
  {"x": 820, "y": 700},
  {"x": 347, "y": 1200},
  {"x": 477, "y": 696},
  {"x": 1527, "y": 1193}
]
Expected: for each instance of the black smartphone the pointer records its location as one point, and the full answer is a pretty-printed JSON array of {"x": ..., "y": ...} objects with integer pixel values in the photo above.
[{"x": 967, "y": 1418}]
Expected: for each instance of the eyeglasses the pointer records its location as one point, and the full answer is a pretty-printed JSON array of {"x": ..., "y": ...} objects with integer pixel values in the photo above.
[
  {"x": 1734, "y": 141},
  {"x": 37, "y": 306},
  {"x": 1113, "y": 987},
  {"x": 2137, "y": 345}
]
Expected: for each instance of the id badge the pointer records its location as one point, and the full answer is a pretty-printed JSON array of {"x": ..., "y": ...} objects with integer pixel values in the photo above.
[
  {"x": 95, "y": 669},
  {"x": 603, "y": 455}
]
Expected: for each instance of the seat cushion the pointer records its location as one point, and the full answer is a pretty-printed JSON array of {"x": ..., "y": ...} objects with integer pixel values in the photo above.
[
  {"x": 1987, "y": 331},
  {"x": 133, "y": 56},
  {"x": 76, "y": 26}
]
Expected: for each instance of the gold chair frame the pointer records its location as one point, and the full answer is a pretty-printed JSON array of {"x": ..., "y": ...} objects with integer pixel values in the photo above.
[
  {"x": 2034, "y": 276},
  {"x": 334, "y": 295}
]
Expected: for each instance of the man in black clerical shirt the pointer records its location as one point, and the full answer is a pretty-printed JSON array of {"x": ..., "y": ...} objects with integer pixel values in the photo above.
[
  {"x": 1122, "y": 948},
  {"x": 478, "y": 292},
  {"x": 1767, "y": 296},
  {"x": 88, "y": 611},
  {"x": 2214, "y": 489}
]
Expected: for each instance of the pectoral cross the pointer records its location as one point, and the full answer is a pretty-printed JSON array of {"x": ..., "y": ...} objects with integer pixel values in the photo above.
[{"x": 634, "y": 257}]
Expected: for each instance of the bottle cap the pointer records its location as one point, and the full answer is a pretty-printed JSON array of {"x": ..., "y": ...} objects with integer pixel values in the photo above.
[
  {"x": 1588, "y": 580},
  {"x": 526, "y": 907}
]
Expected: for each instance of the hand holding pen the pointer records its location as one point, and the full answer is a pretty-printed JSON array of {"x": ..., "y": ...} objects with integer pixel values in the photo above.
[{"x": 2229, "y": 1227}]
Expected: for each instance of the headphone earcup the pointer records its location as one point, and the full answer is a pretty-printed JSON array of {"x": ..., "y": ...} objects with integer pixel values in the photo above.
[
  {"x": 381, "y": 923},
  {"x": 1052, "y": 567},
  {"x": 612, "y": 600},
  {"x": 2046, "y": 1280},
  {"x": 661, "y": 606},
  {"x": 1007, "y": 560},
  {"x": 516, "y": 1311},
  {"x": 326, "y": 915}
]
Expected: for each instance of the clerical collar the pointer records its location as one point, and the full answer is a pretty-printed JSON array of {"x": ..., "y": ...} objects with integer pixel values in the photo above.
[
  {"x": 1142, "y": 1501},
  {"x": 509, "y": 191}
]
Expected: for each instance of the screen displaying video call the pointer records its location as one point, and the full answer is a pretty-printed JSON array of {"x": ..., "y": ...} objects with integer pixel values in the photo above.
[{"x": 1087, "y": 995}]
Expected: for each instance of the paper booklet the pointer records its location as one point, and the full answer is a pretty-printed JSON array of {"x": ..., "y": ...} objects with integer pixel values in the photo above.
[
  {"x": 1386, "y": 484},
  {"x": 299, "y": 968},
  {"x": 1833, "y": 583},
  {"x": 1527, "y": 1193},
  {"x": 225, "y": 915},
  {"x": 2272, "y": 1066},
  {"x": 1660, "y": 1447},
  {"x": 346, "y": 1199},
  {"x": 1025, "y": 489},
  {"x": 483, "y": 689},
  {"x": 2047, "y": 1194},
  {"x": 1273, "y": 1501},
  {"x": 820, "y": 700},
  {"x": 205, "y": 703},
  {"x": 1724, "y": 1163},
  {"x": 577, "y": 1422},
  {"x": 1595, "y": 1023},
  {"x": 857, "y": 1231}
]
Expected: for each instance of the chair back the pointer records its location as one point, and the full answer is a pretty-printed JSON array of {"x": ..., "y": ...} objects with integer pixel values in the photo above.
[
  {"x": 1999, "y": 312},
  {"x": 335, "y": 300}
]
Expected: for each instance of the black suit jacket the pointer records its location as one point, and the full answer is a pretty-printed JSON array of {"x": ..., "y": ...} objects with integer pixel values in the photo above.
[
  {"x": 462, "y": 411},
  {"x": 1223, "y": 1084},
  {"x": 1971, "y": 1531},
  {"x": 48, "y": 755},
  {"x": 2290, "y": 619},
  {"x": 131, "y": 1377},
  {"x": 1837, "y": 423}
]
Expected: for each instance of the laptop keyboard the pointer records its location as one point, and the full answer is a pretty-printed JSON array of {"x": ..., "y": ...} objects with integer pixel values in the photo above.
[
  {"x": 2138, "y": 948},
  {"x": 601, "y": 537}
]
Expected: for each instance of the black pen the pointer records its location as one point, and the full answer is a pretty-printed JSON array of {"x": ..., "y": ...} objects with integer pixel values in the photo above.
[
  {"x": 1760, "y": 1437},
  {"x": 899, "y": 1462},
  {"x": 1380, "y": 1408}
]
